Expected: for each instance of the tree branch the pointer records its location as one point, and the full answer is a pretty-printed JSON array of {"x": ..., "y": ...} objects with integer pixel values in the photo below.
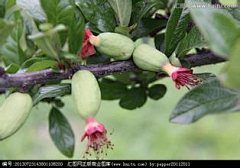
[
  {"x": 99, "y": 70},
  {"x": 203, "y": 58}
]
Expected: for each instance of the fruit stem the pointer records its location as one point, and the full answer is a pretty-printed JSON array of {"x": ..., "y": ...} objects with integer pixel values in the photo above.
[
  {"x": 169, "y": 69},
  {"x": 94, "y": 40}
]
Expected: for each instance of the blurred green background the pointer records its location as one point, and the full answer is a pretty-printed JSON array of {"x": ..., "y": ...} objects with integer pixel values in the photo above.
[{"x": 144, "y": 133}]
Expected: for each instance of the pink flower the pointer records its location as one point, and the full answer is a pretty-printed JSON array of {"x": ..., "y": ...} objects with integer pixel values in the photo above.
[
  {"x": 181, "y": 76},
  {"x": 97, "y": 138},
  {"x": 87, "y": 48}
]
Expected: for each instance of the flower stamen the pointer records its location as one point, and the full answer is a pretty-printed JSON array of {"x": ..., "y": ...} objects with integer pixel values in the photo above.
[
  {"x": 98, "y": 143},
  {"x": 181, "y": 76}
]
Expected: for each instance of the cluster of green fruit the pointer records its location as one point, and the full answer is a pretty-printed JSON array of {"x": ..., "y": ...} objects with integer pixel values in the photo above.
[
  {"x": 85, "y": 89},
  {"x": 146, "y": 57}
]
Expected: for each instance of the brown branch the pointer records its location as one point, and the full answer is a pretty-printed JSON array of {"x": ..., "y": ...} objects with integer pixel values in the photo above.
[
  {"x": 99, "y": 70},
  {"x": 203, "y": 58}
]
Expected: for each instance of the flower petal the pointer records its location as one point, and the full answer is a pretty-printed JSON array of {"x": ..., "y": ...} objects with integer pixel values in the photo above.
[{"x": 87, "y": 48}]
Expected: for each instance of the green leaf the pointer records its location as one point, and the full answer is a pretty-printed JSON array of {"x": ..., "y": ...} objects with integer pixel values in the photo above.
[
  {"x": 147, "y": 26},
  {"x": 99, "y": 13},
  {"x": 76, "y": 33},
  {"x": 123, "y": 11},
  {"x": 33, "y": 60},
  {"x": 176, "y": 28},
  {"x": 142, "y": 8},
  {"x": 134, "y": 98},
  {"x": 144, "y": 77},
  {"x": 206, "y": 76},
  {"x": 159, "y": 42},
  {"x": 97, "y": 59},
  {"x": 208, "y": 98},
  {"x": 124, "y": 78},
  {"x": 61, "y": 132},
  {"x": 2, "y": 8},
  {"x": 12, "y": 68},
  {"x": 235, "y": 12},
  {"x": 192, "y": 40},
  {"x": 9, "y": 4},
  {"x": 217, "y": 26},
  {"x": 123, "y": 30},
  {"x": 52, "y": 91},
  {"x": 49, "y": 42},
  {"x": 231, "y": 72},
  {"x": 12, "y": 50},
  {"x": 38, "y": 66},
  {"x": 112, "y": 90},
  {"x": 5, "y": 29},
  {"x": 157, "y": 91},
  {"x": 59, "y": 12}
]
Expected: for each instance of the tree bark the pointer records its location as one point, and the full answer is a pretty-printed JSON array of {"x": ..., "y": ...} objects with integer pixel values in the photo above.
[{"x": 99, "y": 70}]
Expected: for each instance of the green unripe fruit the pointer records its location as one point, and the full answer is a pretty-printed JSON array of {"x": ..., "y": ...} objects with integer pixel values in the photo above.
[
  {"x": 86, "y": 93},
  {"x": 13, "y": 113},
  {"x": 149, "y": 58},
  {"x": 113, "y": 45}
]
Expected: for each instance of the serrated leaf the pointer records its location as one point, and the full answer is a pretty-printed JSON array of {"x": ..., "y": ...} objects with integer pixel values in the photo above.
[
  {"x": 59, "y": 12},
  {"x": 5, "y": 29},
  {"x": 231, "y": 72},
  {"x": 61, "y": 132},
  {"x": 123, "y": 10},
  {"x": 157, "y": 91},
  {"x": 209, "y": 98},
  {"x": 217, "y": 26},
  {"x": 134, "y": 98},
  {"x": 192, "y": 40},
  {"x": 98, "y": 13},
  {"x": 147, "y": 26},
  {"x": 176, "y": 28},
  {"x": 111, "y": 90},
  {"x": 52, "y": 91},
  {"x": 38, "y": 66}
]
